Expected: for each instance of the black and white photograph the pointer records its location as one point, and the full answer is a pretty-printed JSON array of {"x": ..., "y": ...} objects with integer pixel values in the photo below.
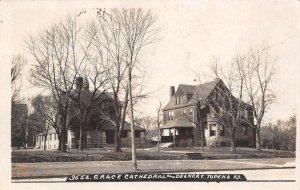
[{"x": 150, "y": 93}]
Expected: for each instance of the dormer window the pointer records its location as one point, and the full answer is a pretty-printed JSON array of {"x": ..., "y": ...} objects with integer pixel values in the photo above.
[{"x": 177, "y": 100}]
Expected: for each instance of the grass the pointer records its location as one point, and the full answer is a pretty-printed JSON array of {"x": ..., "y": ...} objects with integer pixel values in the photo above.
[{"x": 32, "y": 156}]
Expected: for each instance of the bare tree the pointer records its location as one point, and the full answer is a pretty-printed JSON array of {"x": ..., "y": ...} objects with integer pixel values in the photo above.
[
  {"x": 136, "y": 26},
  {"x": 125, "y": 33},
  {"x": 222, "y": 102},
  {"x": 258, "y": 73},
  {"x": 17, "y": 65},
  {"x": 110, "y": 46},
  {"x": 60, "y": 53}
]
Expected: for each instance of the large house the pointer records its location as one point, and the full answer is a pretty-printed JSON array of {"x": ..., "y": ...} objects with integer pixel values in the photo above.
[
  {"x": 180, "y": 118},
  {"x": 99, "y": 132}
]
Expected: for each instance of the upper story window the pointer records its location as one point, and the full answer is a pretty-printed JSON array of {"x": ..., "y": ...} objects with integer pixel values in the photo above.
[
  {"x": 191, "y": 111},
  {"x": 184, "y": 112},
  {"x": 178, "y": 100},
  {"x": 222, "y": 131},
  {"x": 171, "y": 115}
]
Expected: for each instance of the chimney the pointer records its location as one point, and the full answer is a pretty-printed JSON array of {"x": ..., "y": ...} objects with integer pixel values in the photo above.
[
  {"x": 79, "y": 83},
  {"x": 172, "y": 91}
]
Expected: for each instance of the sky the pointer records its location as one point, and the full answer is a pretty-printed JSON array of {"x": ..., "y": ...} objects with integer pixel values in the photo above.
[{"x": 191, "y": 33}]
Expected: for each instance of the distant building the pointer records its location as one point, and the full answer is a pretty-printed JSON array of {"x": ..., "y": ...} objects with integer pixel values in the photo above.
[
  {"x": 99, "y": 132},
  {"x": 49, "y": 141},
  {"x": 180, "y": 118}
]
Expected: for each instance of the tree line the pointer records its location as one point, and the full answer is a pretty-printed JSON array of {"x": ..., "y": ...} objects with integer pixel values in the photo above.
[{"x": 280, "y": 135}]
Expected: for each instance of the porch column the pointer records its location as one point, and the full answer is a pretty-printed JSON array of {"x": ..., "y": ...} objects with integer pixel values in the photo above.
[
  {"x": 217, "y": 130},
  {"x": 174, "y": 137}
]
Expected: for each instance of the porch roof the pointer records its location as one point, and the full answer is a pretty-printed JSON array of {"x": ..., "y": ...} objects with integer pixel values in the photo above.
[
  {"x": 108, "y": 126},
  {"x": 179, "y": 122}
]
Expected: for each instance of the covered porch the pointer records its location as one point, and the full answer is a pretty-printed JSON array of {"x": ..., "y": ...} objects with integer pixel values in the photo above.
[{"x": 179, "y": 131}]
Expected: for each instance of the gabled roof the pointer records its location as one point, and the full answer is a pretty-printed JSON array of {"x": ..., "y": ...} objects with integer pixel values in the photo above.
[{"x": 199, "y": 92}]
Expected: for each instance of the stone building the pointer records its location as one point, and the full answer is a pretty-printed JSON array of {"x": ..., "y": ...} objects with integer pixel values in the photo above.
[{"x": 180, "y": 118}]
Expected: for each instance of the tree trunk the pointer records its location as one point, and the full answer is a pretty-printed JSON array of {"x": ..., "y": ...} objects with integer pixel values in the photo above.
[
  {"x": 59, "y": 142},
  {"x": 45, "y": 139},
  {"x": 258, "y": 147},
  {"x": 118, "y": 141},
  {"x": 80, "y": 147},
  {"x": 158, "y": 140},
  {"x": 132, "y": 122},
  {"x": 201, "y": 138},
  {"x": 64, "y": 136},
  {"x": 232, "y": 142}
]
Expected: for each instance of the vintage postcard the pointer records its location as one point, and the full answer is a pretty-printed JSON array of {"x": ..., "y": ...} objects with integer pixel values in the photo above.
[{"x": 150, "y": 94}]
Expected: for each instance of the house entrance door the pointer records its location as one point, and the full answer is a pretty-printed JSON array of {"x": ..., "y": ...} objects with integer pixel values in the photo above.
[{"x": 110, "y": 137}]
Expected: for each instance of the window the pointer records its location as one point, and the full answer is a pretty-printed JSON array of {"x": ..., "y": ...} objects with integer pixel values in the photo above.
[
  {"x": 245, "y": 130},
  {"x": 54, "y": 146},
  {"x": 213, "y": 128},
  {"x": 50, "y": 146},
  {"x": 50, "y": 136},
  {"x": 183, "y": 112},
  {"x": 177, "y": 100},
  {"x": 191, "y": 112},
  {"x": 137, "y": 134},
  {"x": 171, "y": 115},
  {"x": 124, "y": 134},
  {"x": 222, "y": 131}
]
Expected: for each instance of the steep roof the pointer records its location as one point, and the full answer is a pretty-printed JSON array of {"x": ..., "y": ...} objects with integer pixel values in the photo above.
[{"x": 198, "y": 92}]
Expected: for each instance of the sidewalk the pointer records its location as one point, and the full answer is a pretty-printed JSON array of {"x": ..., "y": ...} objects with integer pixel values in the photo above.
[{"x": 60, "y": 169}]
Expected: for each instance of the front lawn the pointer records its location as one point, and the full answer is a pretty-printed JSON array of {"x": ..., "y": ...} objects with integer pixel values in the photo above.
[{"x": 31, "y": 156}]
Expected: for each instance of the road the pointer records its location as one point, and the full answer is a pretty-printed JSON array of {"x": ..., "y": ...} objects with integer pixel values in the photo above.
[{"x": 60, "y": 169}]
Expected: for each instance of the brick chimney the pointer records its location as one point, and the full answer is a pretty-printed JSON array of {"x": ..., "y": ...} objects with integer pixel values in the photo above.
[
  {"x": 172, "y": 91},
  {"x": 79, "y": 83}
]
